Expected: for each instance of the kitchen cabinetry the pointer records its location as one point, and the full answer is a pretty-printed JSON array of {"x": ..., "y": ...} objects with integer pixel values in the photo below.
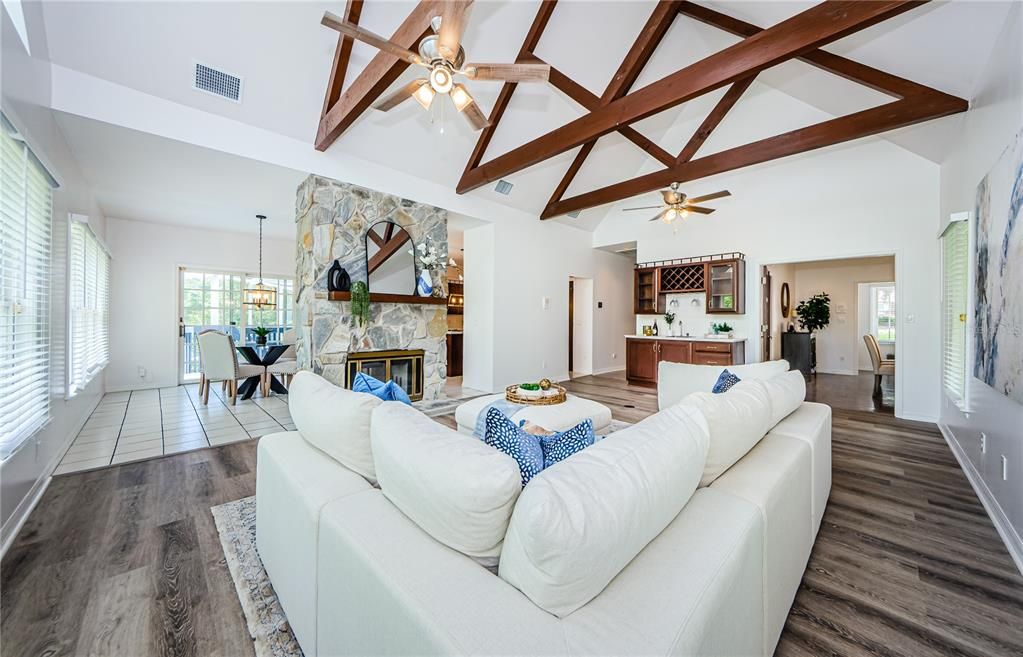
[
  {"x": 645, "y": 295},
  {"x": 643, "y": 354},
  {"x": 722, "y": 278},
  {"x": 725, "y": 283},
  {"x": 454, "y": 354}
]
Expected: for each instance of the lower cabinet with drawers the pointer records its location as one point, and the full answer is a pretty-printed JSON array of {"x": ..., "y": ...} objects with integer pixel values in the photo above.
[{"x": 643, "y": 354}]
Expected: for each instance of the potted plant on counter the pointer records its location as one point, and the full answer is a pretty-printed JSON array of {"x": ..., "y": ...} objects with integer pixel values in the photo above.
[{"x": 724, "y": 329}]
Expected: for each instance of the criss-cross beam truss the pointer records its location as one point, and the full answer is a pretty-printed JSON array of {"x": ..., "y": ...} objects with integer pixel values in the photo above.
[{"x": 799, "y": 37}]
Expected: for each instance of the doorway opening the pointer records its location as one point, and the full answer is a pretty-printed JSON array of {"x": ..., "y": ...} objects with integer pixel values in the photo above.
[
  {"x": 580, "y": 326},
  {"x": 850, "y": 363}
]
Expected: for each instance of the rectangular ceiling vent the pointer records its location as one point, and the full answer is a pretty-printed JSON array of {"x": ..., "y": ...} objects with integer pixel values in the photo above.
[
  {"x": 218, "y": 83},
  {"x": 504, "y": 187},
  {"x": 574, "y": 213}
]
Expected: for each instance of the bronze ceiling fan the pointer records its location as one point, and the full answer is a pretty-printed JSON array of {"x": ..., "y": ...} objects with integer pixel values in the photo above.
[
  {"x": 442, "y": 55},
  {"x": 678, "y": 206}
]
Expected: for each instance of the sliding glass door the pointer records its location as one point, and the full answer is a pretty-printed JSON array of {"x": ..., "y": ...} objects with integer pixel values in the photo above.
[{"x": 213, "y": 300}]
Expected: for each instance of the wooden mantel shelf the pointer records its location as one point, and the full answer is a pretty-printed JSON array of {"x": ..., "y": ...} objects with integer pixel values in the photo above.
[{"x": 390, "y": 298}]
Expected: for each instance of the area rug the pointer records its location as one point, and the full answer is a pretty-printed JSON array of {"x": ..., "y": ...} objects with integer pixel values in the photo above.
[{"x": 268, "y": 626}]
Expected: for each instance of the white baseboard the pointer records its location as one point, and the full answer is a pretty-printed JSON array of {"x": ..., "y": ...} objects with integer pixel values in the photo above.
[
  {"x": 1012, "y": 540},
  {"x": 28, "y": 503},
  {"x": 918, "y": 418},
  {"x": 141, "y": 386},
  {"x": 608, "y": 370},
  {"x": 842, "y": 372}
]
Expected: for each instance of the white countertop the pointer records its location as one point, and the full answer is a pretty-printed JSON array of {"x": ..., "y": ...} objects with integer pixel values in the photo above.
[{"x": 691, "y": 338}]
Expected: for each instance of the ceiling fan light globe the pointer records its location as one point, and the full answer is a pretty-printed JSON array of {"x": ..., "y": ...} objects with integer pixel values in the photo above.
[
  {"x": 424, "y": 95},
  {"x": 441, "y": 80},
  {"x": 461, "y": 97},
  {"x": 669, "y": 215}
]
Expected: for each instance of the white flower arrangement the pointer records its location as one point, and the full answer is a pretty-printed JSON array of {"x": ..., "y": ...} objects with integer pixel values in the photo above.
[{"x": 429, "y": 257}]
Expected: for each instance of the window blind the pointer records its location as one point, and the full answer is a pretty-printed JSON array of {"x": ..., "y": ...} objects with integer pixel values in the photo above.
[
  {"x": 25, "y": 213},
  {"x": 88, "y": 306},
  {"x": 955, "y": 279}
]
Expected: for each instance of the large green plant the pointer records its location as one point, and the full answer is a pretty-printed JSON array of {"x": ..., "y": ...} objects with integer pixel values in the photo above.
[
  {"x": 360, "y": 302},
  {"x": 814, "y": 313}
]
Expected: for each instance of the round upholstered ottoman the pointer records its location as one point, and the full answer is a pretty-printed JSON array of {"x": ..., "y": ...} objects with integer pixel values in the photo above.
[{"x": 556, "y": 417}]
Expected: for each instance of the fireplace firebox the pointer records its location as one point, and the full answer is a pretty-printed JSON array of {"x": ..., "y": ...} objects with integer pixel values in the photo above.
[{"x": 403, "y": 366}]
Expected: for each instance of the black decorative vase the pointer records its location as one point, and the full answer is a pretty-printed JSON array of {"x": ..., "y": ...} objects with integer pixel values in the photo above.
[
  {"x": 260, "y": 339},
  {"x": 338, "y": 279}
]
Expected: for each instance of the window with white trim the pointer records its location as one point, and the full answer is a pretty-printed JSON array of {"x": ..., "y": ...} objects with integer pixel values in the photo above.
[
  {"x": 955, "y": 248},
  {"x": 88, "y": 305},
  {"x": 882, "y": 312},
  {"x": 26, "y": 191}
]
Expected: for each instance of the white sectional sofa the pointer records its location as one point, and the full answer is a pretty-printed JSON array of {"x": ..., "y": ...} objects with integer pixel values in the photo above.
[{"x": 667, "y": 565}]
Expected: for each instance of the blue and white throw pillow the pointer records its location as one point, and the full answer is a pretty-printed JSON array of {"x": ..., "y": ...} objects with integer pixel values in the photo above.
[
  {"x": 725, "y": 381},
  {"x": 527, "y": 450},
  {"x": 389, "y": 391},
  {"x": 559, "y": 446}
]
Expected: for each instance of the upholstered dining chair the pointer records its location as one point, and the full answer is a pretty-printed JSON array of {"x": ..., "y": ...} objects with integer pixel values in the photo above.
[
  {"x": 882, "y": 367},
  {"x": 219, "y": 362},
  {"x": 286, "y": 366}
]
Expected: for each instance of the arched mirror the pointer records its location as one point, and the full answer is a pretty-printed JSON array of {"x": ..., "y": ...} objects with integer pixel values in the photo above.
[
  {"x": 390, "y": 264},
  {"x": 785, "y": 300}
]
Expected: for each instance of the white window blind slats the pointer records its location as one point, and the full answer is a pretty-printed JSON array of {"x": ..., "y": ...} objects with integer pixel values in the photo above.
[
  {"x": 25, "y": 224},
  {"x": 88, "y": 306},
  {"x": 955, "y": 279}
]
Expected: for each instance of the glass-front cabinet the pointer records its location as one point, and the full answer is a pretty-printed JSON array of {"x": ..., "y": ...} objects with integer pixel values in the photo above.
[
  {"x": 645, "y": 296},
  {"x": 725, "y": 286}
]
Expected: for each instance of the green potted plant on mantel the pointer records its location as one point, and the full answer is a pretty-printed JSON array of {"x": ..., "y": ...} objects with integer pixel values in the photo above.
[
  {"x": 814, "y": 314},
  {"x": 261, "y": 333}
]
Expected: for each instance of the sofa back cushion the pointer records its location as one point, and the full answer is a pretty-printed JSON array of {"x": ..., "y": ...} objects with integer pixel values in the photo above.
[
  {"x": 676, "y": 381},
  {"x": 334, "y": 420},
  {"x": 581, "y": 521},
  {"x": 457, "y": 488},
  {"x": 786, "y": 392},
  {"x": 737, "y": 420}
]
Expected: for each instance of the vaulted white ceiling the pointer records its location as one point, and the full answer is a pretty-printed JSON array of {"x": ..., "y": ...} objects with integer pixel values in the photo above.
[{"x": 284, "y": 56}]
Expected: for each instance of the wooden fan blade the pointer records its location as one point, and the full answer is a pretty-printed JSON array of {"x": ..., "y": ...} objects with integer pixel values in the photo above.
[
  {"x": 392, "y": 100},
  {"x": 452, "y": 22},
  {"x": 335, "y": 22},
  {"x": 509, "y": 72},
  {"x": 658, "y": 216},
  {"x": 694, "y": 208},
  {"x": 671, "y": 197},
  {"x": 645, "y": 207},
  {"x": 710, "y": 197},
  {"x": 475, "y": 116}
]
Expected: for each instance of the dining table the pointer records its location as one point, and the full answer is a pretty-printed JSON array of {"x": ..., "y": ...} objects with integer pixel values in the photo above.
[{"x": 264, "y": 354}]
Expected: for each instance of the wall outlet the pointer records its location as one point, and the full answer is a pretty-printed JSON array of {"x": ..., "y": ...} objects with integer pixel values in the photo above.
[
  {"x": 543, "y": 364},
  {"x": 142, "y": 372},
  {"x": 545, "y": 303},
  {"x": 613, "y": 355},
  {"x": 983, "y": 443}
]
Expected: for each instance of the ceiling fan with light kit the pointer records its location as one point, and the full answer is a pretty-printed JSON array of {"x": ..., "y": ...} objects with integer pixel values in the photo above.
[
  {"x": 678, "y": 206},
  {"x": 442, "y": 55}
]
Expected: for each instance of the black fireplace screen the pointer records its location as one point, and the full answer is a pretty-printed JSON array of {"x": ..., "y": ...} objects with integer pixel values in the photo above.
[{"x": 404, "y": 367}]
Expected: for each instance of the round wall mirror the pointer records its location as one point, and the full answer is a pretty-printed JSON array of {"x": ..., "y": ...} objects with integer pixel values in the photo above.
[
  {"x": 390, "y": 264},
  {"x": 784, "y": 299}
]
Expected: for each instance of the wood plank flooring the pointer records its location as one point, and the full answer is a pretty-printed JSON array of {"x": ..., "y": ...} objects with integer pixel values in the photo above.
[{"x": 126, "y": 560}]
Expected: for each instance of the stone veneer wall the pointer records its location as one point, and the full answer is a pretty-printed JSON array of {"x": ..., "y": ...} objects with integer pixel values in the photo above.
[{"x": 331, "y": 220}]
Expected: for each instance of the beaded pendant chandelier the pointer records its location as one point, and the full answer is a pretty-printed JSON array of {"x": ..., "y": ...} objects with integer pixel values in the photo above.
[{"x": 260, "y": 296}]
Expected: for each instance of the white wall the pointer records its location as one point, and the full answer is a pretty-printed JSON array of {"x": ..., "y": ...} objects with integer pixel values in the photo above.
[
  {"x": 864, "y": 198},
  {"x": 514, "y": 265},
  {"x": 996, "y": 115},
  {"x": 25, "y": 92},
  {"x": 840, "y": 345},
  {"x": 144, "y": 290}
]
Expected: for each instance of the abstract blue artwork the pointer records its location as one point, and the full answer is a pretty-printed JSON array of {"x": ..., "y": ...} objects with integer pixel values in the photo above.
[{"x": 998, "y": 235}]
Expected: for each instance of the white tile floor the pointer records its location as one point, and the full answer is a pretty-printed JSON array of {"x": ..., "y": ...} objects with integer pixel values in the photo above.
[{"x": 133, "y": 426}]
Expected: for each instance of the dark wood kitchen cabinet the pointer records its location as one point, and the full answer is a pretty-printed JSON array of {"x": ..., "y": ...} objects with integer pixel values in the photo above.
[
  {"x": 455, "y": 354},
  {"x": 642, "y": 356},
  {"x": 641, "y": 361}
]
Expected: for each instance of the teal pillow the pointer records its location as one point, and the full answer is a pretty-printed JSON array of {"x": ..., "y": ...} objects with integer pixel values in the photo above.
[{"x": 389, "y": 391}]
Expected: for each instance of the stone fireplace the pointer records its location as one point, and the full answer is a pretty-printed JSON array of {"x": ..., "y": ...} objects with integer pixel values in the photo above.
[{"x": 331, "y": 221}]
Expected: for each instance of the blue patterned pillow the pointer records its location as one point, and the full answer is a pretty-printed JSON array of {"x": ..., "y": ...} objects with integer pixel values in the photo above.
[
  {"x": 525, "y": 448},
  {"x": 724, "y": 382},
  {"x": 559, "y": 446},
  {"x": 389, "y": 391}
]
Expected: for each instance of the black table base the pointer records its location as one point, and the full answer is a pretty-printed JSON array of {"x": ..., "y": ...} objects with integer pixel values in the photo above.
[{"x": 269, "y": 356}]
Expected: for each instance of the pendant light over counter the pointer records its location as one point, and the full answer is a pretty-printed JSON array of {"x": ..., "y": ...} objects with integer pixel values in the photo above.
[{"x": 260, "y": 296}]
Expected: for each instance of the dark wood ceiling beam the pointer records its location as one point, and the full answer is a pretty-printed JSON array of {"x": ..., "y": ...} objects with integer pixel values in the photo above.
[
  {"x": 868, "y": 76},
  {"x": 639, "y": 54},
  {"x": 897, "y": 114},
  {"x": 342, "y": 54},
  {"x": 529, "y": 44},
  {"x": 378, "y": 75},
  {"x": 796, "y": 36},
  {"x": 713, "y": 120}
]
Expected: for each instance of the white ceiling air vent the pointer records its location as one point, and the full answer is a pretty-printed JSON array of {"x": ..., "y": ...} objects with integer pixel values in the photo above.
[
  {"x": 574, "y": 213},
  {"x": 503, "y": 187},
  {"x": 217, "y": 82}
]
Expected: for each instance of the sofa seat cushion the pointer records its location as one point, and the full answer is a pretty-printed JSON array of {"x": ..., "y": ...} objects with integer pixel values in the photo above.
[
  {"x": 811, "y": 422},
  {"x": 294, "y": 481},
  {"x": 556, "y": 417},
  {"x": 696, "y": 589},
  {"x": 676, "y": 381},
  {"x": 460, "y": 490},
  {"x": 737, "y": 420},
  {"x": 775, "y": 476},
  {"x": 579, "y": 522},
  {"x": 334, "y": 420}
]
